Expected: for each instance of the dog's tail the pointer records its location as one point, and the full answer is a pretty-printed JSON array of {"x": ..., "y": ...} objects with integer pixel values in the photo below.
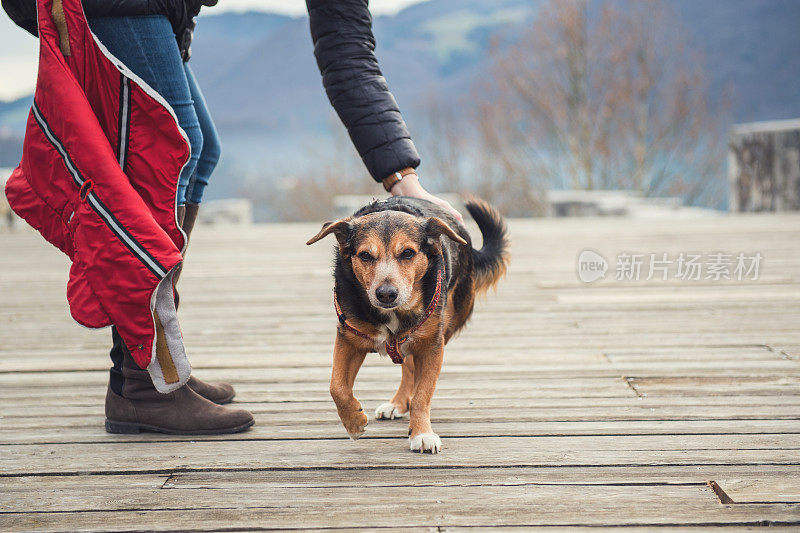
[{"x": 492, "y": 259}]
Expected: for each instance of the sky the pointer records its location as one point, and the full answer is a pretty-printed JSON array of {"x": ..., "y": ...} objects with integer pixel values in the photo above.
[{"x": 19, "y": 50}]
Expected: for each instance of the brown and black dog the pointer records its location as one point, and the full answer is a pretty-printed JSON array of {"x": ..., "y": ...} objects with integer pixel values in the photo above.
[{"x": 406, "y": 278}]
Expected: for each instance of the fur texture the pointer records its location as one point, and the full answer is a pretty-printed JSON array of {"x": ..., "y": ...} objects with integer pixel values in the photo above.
[{"x": 388, "y": 257}]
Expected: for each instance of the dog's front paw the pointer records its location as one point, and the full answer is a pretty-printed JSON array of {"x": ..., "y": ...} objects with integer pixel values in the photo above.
[
  {"x": 355, "y": 423},
  {"x": 389, "y": 411},
  {"x": 425, "y": 442}
]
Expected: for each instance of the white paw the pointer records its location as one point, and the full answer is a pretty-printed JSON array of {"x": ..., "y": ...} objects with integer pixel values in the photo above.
[
  {"x": 388, "y": 411},
  {"x": 356, "y": 424},
  {"x": 425, "y": 442},
  {"x": 357, "y": 435}
]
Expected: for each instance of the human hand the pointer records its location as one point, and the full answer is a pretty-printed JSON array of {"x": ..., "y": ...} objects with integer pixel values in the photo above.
[{"x": 410, "y": 186}]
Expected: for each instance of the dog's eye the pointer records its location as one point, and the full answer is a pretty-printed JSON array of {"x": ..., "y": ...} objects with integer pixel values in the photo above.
[
  {"x": 364, "y": 256},
  {"x": 408, "y": 253}
]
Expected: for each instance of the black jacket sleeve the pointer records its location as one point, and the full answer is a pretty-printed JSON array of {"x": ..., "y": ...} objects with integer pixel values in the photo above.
[
  {"x": 23, "y": 14},
  {"x": 345, "y": 50}
]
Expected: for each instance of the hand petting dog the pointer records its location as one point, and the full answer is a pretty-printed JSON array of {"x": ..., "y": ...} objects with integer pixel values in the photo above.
[
  {"x": 410, "y": 186},
  {"x": 406, "y": 277}
]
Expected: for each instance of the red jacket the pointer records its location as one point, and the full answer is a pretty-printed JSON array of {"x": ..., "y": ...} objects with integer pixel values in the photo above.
[{"x": 98, "y": 179}]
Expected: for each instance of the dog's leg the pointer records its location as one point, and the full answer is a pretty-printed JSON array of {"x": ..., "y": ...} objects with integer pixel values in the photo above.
[
  {"x": 399, "y": 405},
  {"x": 347, "y": 360},
  {"x": 428, "y": 364}
]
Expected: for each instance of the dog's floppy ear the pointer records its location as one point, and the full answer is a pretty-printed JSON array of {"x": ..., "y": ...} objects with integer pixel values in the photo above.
[
  {"x": 340, "y": 228},
  {"x": 436, "y": 227}
]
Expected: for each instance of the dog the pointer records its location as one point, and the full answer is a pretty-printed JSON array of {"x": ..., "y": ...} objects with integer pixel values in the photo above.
[{"x": 406, "y": 278}]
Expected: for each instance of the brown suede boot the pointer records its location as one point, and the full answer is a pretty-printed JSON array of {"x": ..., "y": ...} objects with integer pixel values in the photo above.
[
  {"x": 141, "y": 407},
  {"x": 221, "y": 392},
  {"x": 189, "y": 218}
]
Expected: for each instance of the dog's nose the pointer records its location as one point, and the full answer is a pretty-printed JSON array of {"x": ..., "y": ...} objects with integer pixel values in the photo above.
[{"x": 386, "y": 293}]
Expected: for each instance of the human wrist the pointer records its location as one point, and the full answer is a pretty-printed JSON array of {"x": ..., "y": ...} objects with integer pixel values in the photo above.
[
  {"x": 410, "y": 186},
  {"x": 394, "y": 180}
]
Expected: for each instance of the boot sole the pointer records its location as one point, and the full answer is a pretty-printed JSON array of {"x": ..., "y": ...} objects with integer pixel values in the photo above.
[{"x": 130, "y": 428}]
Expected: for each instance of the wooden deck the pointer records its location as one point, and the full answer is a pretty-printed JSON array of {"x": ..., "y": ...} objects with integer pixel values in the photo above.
[{"x": 650, "y": 403}]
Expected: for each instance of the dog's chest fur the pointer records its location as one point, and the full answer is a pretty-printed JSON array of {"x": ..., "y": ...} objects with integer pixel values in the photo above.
[
  {"x": 392, "y": 326},
  {"x": 387, "y": 330}
]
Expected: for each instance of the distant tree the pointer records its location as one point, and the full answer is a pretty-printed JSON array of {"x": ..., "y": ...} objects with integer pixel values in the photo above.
[
  {"x": 334, "y": 169},
  {"x": 459, "y": 156},
  {"x": 597, "y": 95}
]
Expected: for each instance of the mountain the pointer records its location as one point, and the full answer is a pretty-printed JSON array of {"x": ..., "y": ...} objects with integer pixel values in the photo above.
[
  {"x": 13, "y": 116},
  {"x": 258, "y": 69},
  {"x": 750, "y": 46},
  {"x": 263, "y": 87},
  {"x": 269, "y": 103}
]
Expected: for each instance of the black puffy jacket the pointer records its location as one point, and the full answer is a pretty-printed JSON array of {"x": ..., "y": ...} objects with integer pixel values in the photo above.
[
  {"x": 179, "y": 12},
  {"x": 345, "y": 50}
]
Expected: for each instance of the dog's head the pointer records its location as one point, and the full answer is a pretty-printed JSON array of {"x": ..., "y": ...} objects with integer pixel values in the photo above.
[{"x": 389, "y": 253}]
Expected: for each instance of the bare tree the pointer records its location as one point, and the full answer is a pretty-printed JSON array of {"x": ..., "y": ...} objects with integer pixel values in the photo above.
[
  {"x": 592, "y": 96},
  {"x": 333, "y": 169},
  {"x": 458, "y": 159},
  {"x": 446, "y": 144}
]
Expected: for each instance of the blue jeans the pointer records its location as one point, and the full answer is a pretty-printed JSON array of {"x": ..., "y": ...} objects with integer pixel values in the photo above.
[{"x": 147, "y": 46}]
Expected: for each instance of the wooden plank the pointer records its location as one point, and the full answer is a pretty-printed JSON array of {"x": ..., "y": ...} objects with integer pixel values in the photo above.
[
  {"x": 783, "y": 489},
  {"x": 258, "y": 396},
  {"x": 423, "y": 507},
  {"x": 473, "y": 356},
  {"x": 517, "y": 451},
  {"x": 91, "y": 430},
  {"x": 233, "y": 492},
  {"x": 586, "y": 379},
  {"x": 469, "y": 409},
  {"x": 61, "y": 493},
  {"x": 467, "y": 416}
]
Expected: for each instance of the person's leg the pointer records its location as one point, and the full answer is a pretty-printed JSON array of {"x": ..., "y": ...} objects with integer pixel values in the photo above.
[
  {"x": 209, "y": 156},
  {"x": 147, "y": 46},
  {"x": 118, "y": 349},
  {"x": 211, "y": 151}
]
